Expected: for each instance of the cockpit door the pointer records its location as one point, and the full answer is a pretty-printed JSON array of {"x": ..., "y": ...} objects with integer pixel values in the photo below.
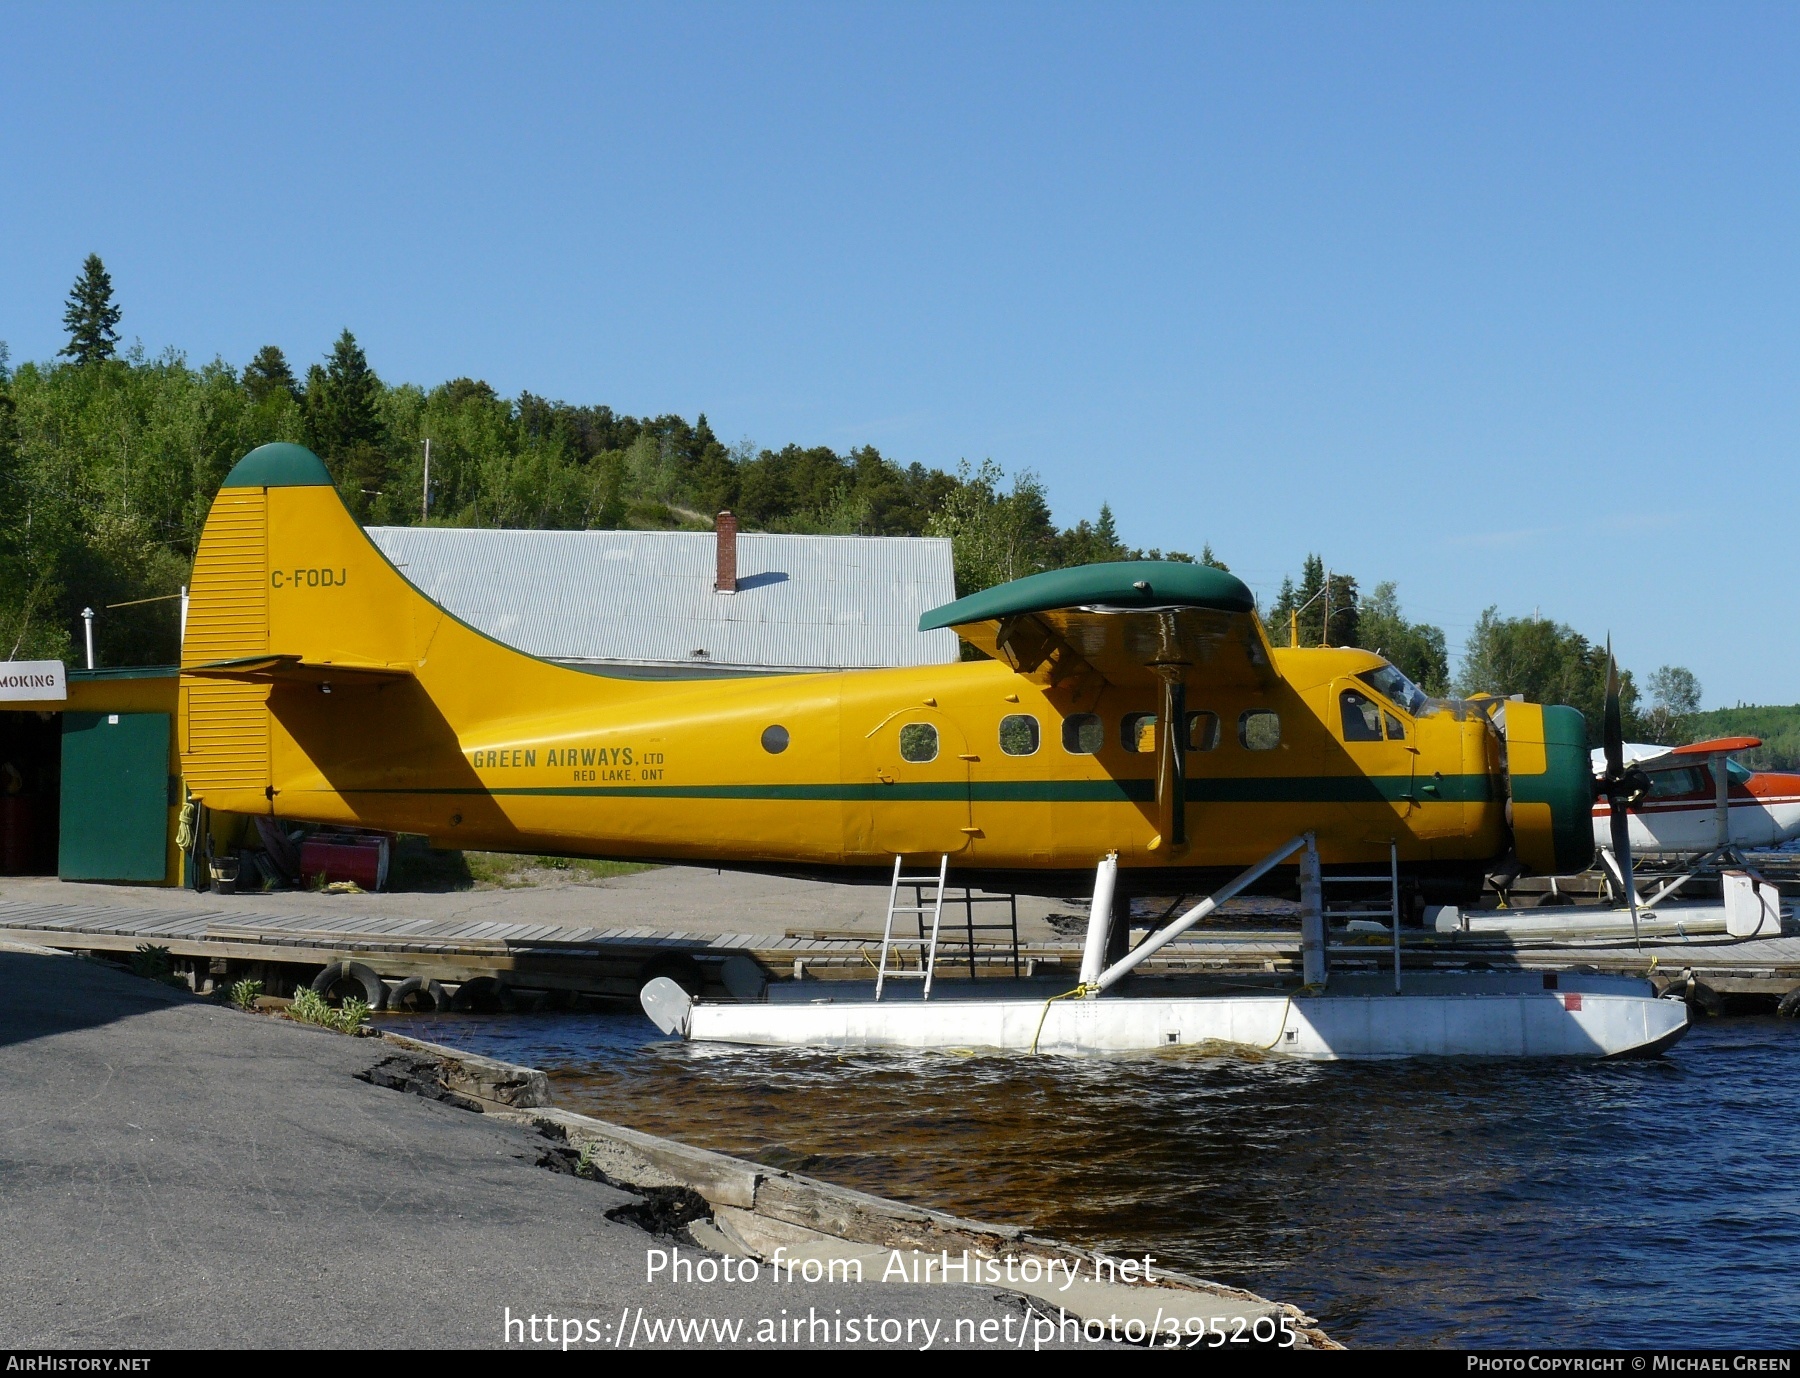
[{"x": 1385, "y": 794}]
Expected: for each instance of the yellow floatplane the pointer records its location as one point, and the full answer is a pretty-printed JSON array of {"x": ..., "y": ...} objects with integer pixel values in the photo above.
[{"x": 1133, "y": 715}]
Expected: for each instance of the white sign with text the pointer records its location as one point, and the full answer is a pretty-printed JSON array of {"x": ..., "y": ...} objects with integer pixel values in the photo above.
[{"x": 33, "y": 681}]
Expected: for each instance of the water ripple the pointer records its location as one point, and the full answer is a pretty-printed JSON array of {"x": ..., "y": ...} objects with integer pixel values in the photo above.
[{"x": 1446, "y": 1203}]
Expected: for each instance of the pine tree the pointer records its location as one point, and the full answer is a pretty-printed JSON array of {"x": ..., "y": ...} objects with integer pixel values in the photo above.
[
  {"x": 91, "y": 318},
  {"x": 268, "y": 373},
  {"x": 1279, "y": 622},
  {"x": 343, "y": 422},
  {"x": 1309, "y": 598},
  {"x": 1312, "y": 601},
  {"x": 1106, "y": 537}
]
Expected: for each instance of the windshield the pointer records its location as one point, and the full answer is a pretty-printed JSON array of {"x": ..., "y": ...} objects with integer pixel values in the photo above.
[
  {"x": 1396, "y": 686},
  {"x": 1738, "y": 774}
]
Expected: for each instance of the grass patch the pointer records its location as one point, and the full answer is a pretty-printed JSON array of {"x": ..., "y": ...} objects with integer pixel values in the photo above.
[
  {"x": 506, "y": 871},
  {"x": 155, "y": 963},
  {"x": 309, "y": 1007},
  {"x": 416, "y": 866},
  {"x": 244, "y": 993}
]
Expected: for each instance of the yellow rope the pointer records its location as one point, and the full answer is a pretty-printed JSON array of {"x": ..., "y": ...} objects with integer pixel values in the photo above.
[
  {"x": 1045, "y": 1014},
  {"x": 1281, "y": 1028},
  {"x": 1287, "y": 1009}
]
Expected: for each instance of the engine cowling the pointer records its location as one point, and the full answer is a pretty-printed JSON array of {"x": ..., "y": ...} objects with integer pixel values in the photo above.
[{"x": 1552, "y": 788}]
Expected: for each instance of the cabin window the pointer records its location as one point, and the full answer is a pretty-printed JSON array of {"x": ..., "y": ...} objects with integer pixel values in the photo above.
[
  {"x": 1738, "y": 775},
  {"x": 1667, "y": 784},
  {"x": 1259, "y": 729},
  {"x": 1395, "y": 729},
  {"x": 1202, "y": 731},
  {"x": 775, "y": 739},
  {"x": 1083, "y": 734},
  {"x": 1362, "y": 718},
  {"x": 918, "y": 743},
  {"x": 1137, "y": 732},
  {"x": 1019, "y": 734}
]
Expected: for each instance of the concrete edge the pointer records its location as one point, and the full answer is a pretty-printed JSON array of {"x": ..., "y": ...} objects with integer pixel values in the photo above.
[
  {"x": 840, "y": 1221},
  {"x": 503, "y": 1085},
  {"x": 8, "y": 944}
]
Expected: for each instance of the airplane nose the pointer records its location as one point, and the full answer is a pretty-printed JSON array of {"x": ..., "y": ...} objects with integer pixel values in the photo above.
[
  {"x": 1552, "y": 787},
  {"x": 1779, "y": 794}
]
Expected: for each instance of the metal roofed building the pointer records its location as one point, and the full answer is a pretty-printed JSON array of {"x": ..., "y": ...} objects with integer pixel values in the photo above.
[{"x": 684, "y": 603}]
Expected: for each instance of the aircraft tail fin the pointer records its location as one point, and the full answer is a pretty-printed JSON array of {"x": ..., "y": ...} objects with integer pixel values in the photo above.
[{"x": 287, "y": 590}]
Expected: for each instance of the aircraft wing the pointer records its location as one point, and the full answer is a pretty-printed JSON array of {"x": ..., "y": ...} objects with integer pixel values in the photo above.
[
  {"x": 1718, "y": 746},
  {"x": 271, "y": 669},
  {"x": 1647, "y": 757},
  {"x": 1131, "y": 622}
]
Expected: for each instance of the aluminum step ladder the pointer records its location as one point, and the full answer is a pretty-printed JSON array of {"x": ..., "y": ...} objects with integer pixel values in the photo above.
[
  {"x": 1371, "y": 906},
  {"x": 924, "y": 944},
  {"x": 963, "y": 935}
]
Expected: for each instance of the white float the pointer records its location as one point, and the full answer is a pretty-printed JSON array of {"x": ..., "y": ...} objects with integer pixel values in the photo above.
[{"x": 1520, "y": 1014}]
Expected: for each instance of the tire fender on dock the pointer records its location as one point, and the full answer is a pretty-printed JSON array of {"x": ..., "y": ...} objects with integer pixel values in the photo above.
[
  {"x": 420, "y": 995},
  {"x": 364, "y": 983},
  {"x": 484, "y": 995}
]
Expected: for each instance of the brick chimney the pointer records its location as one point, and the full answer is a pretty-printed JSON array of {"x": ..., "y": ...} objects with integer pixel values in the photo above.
[{"x": 725, "y": 525}]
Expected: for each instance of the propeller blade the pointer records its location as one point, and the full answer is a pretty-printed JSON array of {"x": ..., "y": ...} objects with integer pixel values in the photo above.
[
  {"x": 1621, "y": 838},
  {"x": 1613, "y": 726}
]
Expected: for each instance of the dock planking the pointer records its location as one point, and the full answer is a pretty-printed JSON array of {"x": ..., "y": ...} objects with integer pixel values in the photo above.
[{"x": 612, "y": 961}]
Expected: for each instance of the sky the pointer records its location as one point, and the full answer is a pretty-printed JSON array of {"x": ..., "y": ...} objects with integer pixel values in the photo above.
[{"x": 1496, "y": 301}]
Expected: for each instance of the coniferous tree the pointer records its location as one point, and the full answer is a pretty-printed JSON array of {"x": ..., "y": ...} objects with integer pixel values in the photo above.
[
  {"x": 1106, "y": 535},
  {"x": 343, "y": 423},
  {"x": 1311, "y": 601},
  {"x": 268, "y": 373},
  {"x": 91, "y": 317}
]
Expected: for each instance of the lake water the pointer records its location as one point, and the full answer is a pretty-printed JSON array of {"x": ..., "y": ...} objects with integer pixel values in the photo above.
[{"x": 1437, "y": 1203}]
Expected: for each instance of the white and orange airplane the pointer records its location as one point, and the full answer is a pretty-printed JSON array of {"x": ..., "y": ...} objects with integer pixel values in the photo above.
[{"x": 1699, "y": 800}]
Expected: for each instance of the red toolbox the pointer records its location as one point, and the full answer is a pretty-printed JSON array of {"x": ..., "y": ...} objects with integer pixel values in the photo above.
[{"x": 359, "y": 857}]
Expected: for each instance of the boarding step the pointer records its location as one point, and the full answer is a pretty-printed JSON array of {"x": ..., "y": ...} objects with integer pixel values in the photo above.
[
  {"x": 925, "y": 944},
  {"x": 1377, "y": 901},
  {"x": 975, "y": 940}
]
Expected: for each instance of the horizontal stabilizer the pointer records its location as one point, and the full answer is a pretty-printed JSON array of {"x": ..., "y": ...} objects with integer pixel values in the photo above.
[{"x": 291, "y": 669}]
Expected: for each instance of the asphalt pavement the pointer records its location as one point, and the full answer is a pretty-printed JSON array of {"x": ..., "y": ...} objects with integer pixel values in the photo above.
[{"x": 178, "y": 1173}]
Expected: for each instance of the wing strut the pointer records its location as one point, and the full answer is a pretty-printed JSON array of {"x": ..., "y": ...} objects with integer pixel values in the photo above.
[{"x": 1171, "y": 763}]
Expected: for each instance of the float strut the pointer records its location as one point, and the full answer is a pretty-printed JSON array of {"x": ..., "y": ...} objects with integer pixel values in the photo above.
[
  {"x": 1093, "y": 953},
  {"x": 1121, "y": 968},
  {"x": 1314, "y": 971}
]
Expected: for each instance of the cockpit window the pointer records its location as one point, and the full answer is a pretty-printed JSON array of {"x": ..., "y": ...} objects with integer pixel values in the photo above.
[
  {"x": 1668, "y": 784},
  {"x": 1396, "y": 686},
  {"x": 1740, "y": 775}
]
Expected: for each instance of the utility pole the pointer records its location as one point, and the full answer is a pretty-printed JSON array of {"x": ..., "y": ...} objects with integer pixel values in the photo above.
[
  {"x": 1325, "y": 627},
  {"x": 425, "y": 500}
]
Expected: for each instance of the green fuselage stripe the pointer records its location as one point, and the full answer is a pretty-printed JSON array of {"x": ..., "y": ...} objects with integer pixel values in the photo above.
[{"x": 1299, "y": 789}]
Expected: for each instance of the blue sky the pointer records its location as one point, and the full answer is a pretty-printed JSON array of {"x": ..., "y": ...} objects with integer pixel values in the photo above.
[{"x": 1499, "y": 302}]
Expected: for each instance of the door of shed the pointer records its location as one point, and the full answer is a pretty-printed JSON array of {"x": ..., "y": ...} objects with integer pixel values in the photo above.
[{"x": 115, "y": 797}]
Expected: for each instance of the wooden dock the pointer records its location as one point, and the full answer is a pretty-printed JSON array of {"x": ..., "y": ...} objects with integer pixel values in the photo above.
[{"x": 210, "y": 946}]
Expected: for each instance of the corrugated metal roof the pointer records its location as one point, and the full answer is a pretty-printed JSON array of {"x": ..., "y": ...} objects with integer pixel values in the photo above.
[{"x": 646, "y": 597}]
